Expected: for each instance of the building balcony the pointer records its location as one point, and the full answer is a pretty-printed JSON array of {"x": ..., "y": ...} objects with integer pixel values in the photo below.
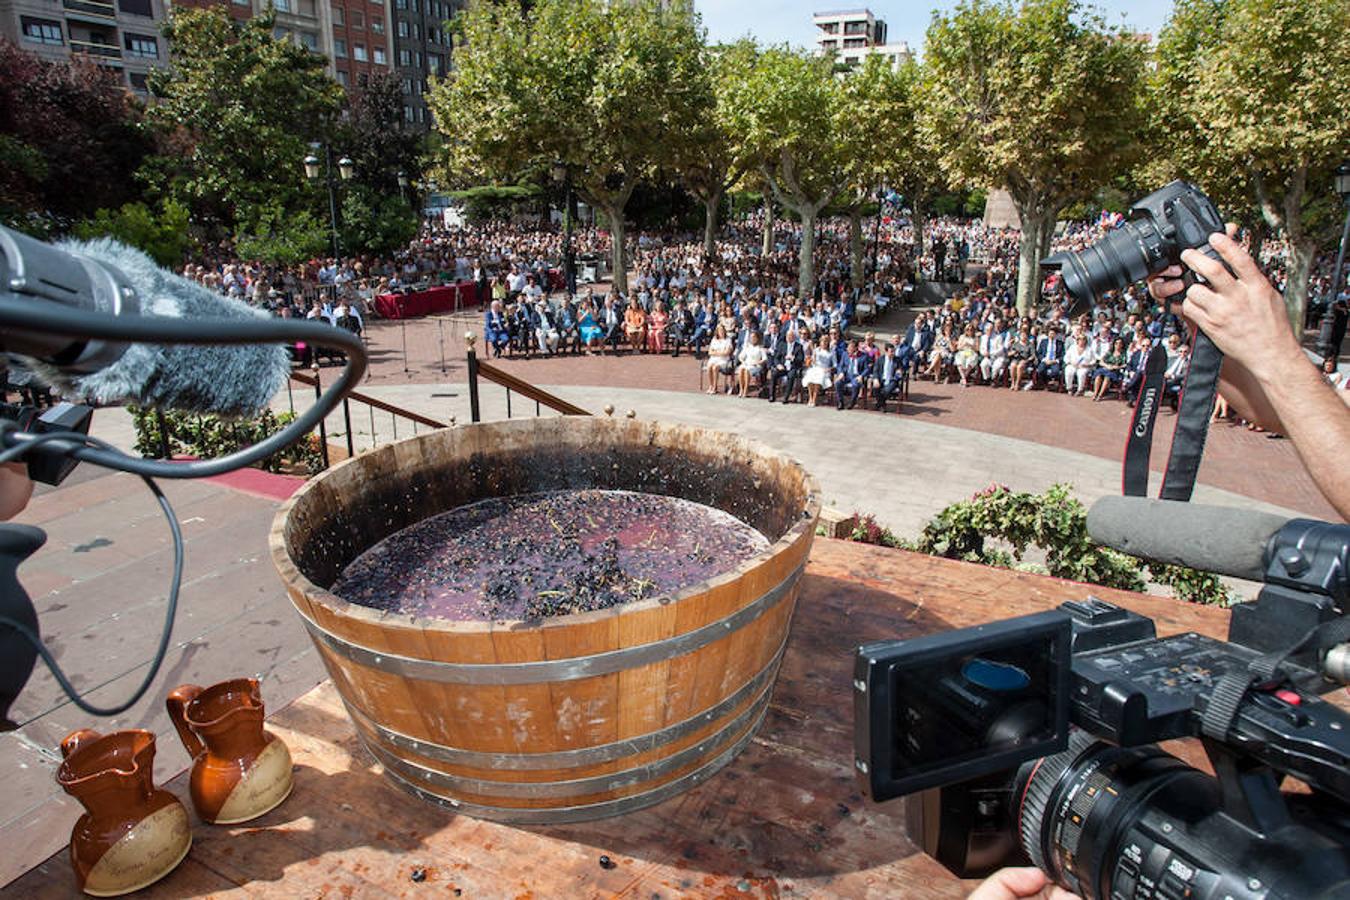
[
  {"x": 92, "y": 8},
  {"x": 96, "y": 48}
]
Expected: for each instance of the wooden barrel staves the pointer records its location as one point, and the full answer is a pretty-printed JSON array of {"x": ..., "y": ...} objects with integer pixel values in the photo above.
[{"x": 570, "y": 718}]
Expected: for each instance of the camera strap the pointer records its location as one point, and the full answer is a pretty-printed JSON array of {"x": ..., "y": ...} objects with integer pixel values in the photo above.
[{"x": 1194, "y": 409}]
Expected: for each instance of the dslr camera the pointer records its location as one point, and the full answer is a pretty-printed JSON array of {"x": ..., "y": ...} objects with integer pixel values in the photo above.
[{"x": 1034, "y": 739}]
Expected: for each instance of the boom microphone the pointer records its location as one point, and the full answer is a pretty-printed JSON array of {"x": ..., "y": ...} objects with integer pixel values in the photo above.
[
  {"x": 106, "y": 277},
  {"x": 1218, "y": 539}
]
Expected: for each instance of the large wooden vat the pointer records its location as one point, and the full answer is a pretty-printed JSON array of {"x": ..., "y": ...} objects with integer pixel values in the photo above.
[{"x": 571, "y": 718}]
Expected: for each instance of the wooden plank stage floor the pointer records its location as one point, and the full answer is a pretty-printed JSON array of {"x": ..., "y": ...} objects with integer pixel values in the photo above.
[{"x": 785, "y": 819}]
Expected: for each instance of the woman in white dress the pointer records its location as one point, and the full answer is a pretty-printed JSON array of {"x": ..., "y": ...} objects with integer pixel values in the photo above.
[
  {"x": 821, "y": 372},
  {"x": 752, "y": 359},
  {"x": 719, "y": 358}
]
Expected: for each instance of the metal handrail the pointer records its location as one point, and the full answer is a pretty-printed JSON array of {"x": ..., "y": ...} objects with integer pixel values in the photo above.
[
  {"x": 511, "y": 382},
  {"x": 372, "y": 404}
]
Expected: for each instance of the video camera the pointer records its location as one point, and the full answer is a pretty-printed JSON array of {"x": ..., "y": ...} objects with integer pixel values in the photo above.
[{"x": 980, "y": 717}]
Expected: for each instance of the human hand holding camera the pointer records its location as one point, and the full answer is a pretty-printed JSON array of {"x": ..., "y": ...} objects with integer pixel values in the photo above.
[{"x": 1020, "y": 884}]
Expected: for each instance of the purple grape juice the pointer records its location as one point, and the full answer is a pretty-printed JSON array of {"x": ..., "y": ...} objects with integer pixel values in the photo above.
[{"x": 548, "y": 554}]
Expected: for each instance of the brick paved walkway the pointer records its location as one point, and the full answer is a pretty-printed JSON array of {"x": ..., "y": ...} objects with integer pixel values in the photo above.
[{"x": 1236, "y": 459}]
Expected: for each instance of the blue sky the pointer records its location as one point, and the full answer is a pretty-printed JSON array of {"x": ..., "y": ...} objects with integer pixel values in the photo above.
[{"x": 779, "y": 21}]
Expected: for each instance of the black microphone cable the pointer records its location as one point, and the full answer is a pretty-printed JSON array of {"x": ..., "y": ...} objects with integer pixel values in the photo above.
[
  {"x": 25, "y": 315},
  {"x": 170, "y": 607}
]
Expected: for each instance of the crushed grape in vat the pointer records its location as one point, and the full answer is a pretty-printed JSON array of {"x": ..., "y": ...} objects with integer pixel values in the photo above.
[{"x": 548, "y": 554}]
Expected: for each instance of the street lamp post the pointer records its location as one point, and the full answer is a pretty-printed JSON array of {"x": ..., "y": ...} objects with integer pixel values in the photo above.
[
  {"x": 403, "y": 185},
  {"x": 563, "y": 175},
  {"x": 345, "y": 167}
]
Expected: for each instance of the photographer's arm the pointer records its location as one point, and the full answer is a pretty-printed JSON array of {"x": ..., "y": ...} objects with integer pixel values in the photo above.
[{"x": 1267, "y": 378}]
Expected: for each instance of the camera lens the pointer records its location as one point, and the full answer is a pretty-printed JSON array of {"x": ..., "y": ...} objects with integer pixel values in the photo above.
[
  {"x": 1075, "y": 805},
  {"x": 1122, "y": 257}
]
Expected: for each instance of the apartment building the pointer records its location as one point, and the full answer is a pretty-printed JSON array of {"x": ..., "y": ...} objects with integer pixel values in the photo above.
[
  {"x": 121, "y": 35},
  {"x": 853, "y": 34},
  {"x": 362, "y": 35},
  {"x": 422, "y": 47}
]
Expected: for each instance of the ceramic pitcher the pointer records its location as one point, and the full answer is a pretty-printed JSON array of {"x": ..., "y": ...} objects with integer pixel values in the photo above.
[
  {"x": 131, "y": 834},
  {"x": 239, "y": 771}
]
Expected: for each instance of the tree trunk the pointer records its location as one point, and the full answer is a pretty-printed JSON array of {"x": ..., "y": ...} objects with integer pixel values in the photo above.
[
  {"x": 768, "y": 223},
  {"x": 712, "y": 205},
  {"x": 857, "y": 272},
  {"x": 618, "y": 259},
  {"x": 1029, "y": 263},
  {"x": 806, "y": 271},
  {"x": 1301, "y": 256}
]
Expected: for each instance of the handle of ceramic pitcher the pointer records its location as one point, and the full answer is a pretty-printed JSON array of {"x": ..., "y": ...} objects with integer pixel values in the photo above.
[{"x": 176, "y": 703}]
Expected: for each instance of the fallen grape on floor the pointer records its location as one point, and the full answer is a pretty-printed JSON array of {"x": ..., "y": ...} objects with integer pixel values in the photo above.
[{"x": 548, "y": 554}]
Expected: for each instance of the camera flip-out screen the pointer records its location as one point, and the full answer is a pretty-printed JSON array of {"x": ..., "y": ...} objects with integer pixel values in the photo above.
[{"x": 954, "y": 706}]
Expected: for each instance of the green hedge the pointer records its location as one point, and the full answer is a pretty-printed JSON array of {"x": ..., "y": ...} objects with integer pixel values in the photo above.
[{"x": 209, "y": 436}]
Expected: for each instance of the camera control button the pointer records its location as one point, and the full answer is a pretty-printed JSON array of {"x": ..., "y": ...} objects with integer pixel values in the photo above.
[{"x": 1289, "y": 697}]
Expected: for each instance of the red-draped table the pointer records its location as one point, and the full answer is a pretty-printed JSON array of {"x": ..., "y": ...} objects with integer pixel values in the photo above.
[{"x": 428, "y": 302}]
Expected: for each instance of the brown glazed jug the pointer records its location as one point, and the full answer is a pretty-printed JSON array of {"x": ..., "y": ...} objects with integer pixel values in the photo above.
[
  {"x": 239, "y": 771},
  {"x": 131, "y": 834}
]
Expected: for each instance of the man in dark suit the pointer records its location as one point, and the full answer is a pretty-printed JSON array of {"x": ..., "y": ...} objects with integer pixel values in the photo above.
[
  {"x": 888, "y": 377},
  {"x": 918, "y": 340},
  {"x": 774, "y": 345},
  {"x": 681, "y": 326},
  {"x": 704, "y": 323},
  {"x": 850, "y": 378},
  {"x": 1049, "y": 359},
  {"x": 1134, "y": 369},
  {"x": 611, "y": 320},
  {"x": 786, "y": 367},
  {"x": 496, "y": 333}
]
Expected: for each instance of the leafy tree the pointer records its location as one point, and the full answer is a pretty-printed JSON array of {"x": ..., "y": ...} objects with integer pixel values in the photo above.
[
  {"x": 70, "y": 141},
  {"x": 283, "y": 237},
  {"x": 237, "y": 110},
  {"x": 376, "y": 137},
  {"x": 1252, "y": 98},
  {"x": 374, "y": 221},
  {"x": 713, "y": 156},
  {"x": 1043, "y": 98},
  {"x": 790, "y": 112},
  {"x": 607, "y": 89},
  {"x": 162, "y": 233}
]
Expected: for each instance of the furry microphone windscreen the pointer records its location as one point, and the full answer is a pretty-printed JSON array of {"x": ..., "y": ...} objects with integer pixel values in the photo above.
[{"x": 228, "y": 380}]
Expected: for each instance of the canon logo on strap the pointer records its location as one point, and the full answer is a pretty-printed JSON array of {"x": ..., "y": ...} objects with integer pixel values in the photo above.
[{"x": 1141, "y": 424}]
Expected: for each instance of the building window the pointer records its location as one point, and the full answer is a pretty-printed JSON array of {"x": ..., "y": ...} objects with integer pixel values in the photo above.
[
  {"x": 240, "y": 2},
  {"x": 377, "y": 25},
  {"x": 417, "y": 30},
  {"x": 854, "y": 43},
  {"x": 417, "y": 54},
  {"x": 282, "y": 5},
  {"x": 339, "y": 48},
  {"x": 363, "y": 79},
  {"x": 400, "y": 4},
  {"x": 337, "y": 15},
  {"x": 136, "y": 8},
  {"x": 139, "y": 82},
  {"x": 405, "y": 57},
  {"x": 307, "y": 8},
  {"x": 855, "y": 28},
  {"x": 421, "y": 114},
  {"x": 402, "y": 28},
  {"x": 358, "y": 19},
  {"x": 407, "y": 113},
  {"x": 343, "y": 79},
  {"x": 41, "y": 31},
  {"x": 830, "y": 27},
  {"x": 407, "y": 86},
  {"x": 142, "y": 45},
  {"x": 379, "y": 57},
  {"x": 829, "y": 45},
  {"x": 435, "y": 62},
  {"x": 309, "y": 40},
  {"x": 359, "y": 52}
]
